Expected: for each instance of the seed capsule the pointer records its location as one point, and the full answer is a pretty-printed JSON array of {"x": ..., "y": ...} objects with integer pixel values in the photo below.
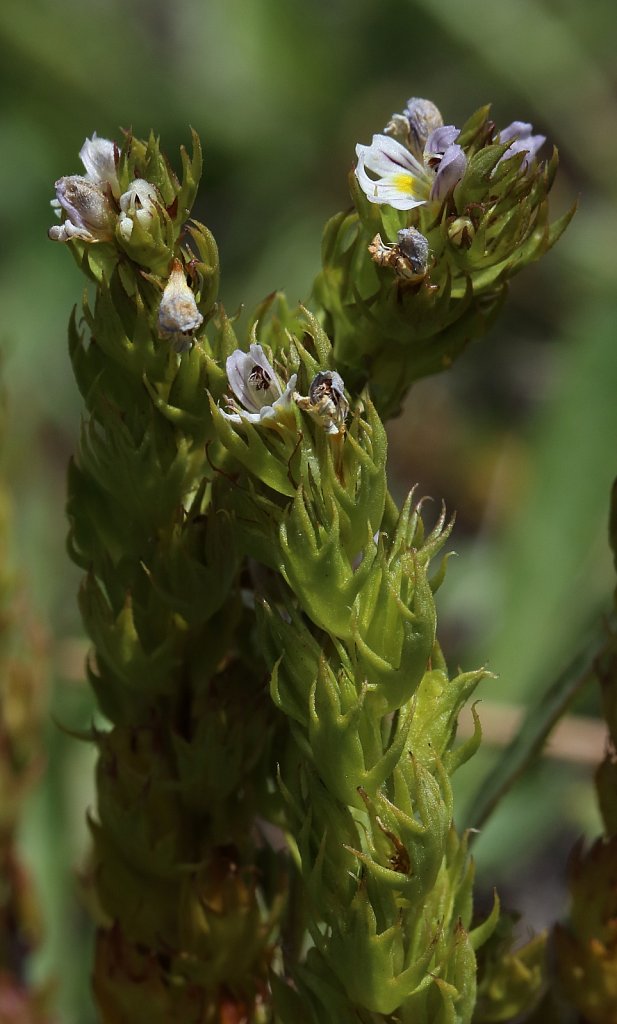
[{"x": 408, "y": 258}]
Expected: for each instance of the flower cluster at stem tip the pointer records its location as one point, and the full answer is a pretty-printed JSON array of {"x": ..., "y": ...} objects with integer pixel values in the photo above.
[
  {"x": 418, "y": 160},
  {"x": 92, "y": 203},
  {"x": 95, "y": 209}
]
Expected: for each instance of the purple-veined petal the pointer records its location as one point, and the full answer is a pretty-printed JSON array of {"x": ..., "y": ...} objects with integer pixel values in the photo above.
[
  {"x": 252, "y": 379},
  {"x": 265, "y": 412},
  {"x": 385, "y": 155},
  {"x": 402, "y": 181}
]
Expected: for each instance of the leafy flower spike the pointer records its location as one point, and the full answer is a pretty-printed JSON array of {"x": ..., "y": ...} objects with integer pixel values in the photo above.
[
  {"x": 256, "y": 387},
  {"x": 401, "y": 180}
]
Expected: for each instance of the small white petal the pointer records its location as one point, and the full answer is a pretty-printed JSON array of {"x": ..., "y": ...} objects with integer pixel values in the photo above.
[
  {"x": 125, "y": 227},
  {"x": 57, "y": 233},
  {"x": 65, "y": 232},
  {"x": 252, "y": 379},
  {"x": 97, "y": 156},
  {"x": 261, "y": 398},
  {"x": 385, "y": 155}
]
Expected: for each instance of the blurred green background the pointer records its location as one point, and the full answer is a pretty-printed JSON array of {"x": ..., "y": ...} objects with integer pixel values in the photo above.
[{"x": 519, "y": 437}]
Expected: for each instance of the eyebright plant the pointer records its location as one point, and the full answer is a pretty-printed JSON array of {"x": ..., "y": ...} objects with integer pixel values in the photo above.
[{"x": 274, "y": 835}]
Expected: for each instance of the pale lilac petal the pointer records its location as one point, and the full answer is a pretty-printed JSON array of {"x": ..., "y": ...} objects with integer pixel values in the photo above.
[
  {"x": 516, "y": 130},
  {"x": 440, "y": 140},
  {"x": 528, "y": 146},
  {"x": 522, "y": 141},
  {"x": 450, "y": 171}
]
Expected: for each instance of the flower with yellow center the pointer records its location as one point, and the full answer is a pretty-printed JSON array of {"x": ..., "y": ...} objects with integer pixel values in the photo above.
[{"x": 398, "y": 179}]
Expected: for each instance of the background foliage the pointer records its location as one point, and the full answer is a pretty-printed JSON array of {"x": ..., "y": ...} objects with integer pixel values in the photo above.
[{"x": 519, "y": 438}]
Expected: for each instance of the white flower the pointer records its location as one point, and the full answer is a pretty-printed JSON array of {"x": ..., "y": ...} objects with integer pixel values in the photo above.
[
  {"x": 98, "y": 157},
  {"x": 402, "y": 181},
  {"x": 256, "y": 387},
  {"x": 90, "y": 215},
  {"x": 85, "y": 199},
  {"x": 179, "y": 316},
  {"x": 138, "y": 203}
]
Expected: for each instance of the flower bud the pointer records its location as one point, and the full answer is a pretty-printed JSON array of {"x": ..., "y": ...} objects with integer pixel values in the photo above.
[
  {"x": 408, "y": 258},
  {"x": 138, "y": 203},
  {"x": 90, "y": 211},
  {"x": 461, "y": 232},
  {"x": 179, "y": 316},
  {"x": 518, "y": 134},
  {"x": 414, "y": 246}
]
